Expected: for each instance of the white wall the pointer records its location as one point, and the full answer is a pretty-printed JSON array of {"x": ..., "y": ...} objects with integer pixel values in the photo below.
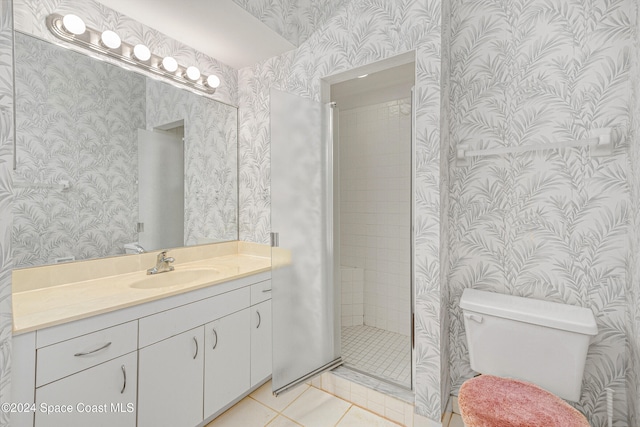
[
  {"x": 375, "y": 193},
  {"x": 352, "y": 293}
]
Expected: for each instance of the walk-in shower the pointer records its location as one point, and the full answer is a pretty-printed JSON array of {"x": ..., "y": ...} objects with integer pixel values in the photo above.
[{"x": 373, "y": 122}]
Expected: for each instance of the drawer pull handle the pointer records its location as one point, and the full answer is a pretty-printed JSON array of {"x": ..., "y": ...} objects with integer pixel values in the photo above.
[
  {"x": 259, "y": 319},
  {"x": 124, "y": 378},
  {"x": 264, "y": 291},
  {"x": 215, "y": 335},
  {"x": 196, "y": 341},
  {"x": 86, "y": 353}
]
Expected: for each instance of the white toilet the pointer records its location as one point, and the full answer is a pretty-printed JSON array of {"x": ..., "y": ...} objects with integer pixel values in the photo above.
[{"x": 539, "y": 342}]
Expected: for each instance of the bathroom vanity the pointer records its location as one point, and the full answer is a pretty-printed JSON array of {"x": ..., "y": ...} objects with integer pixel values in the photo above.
[{"x": 170, "y": 349}]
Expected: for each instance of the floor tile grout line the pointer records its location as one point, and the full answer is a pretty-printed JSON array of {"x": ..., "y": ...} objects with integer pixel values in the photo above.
[
  {"x": 283, "y": 409},
  {"x": 292, "y": 420},
  {"x": 345, "y": 413},
  {"x": 297, "y": 397},
  {"x": 266, "y": 406},
  {"x": 322, "y": 391},
  {"x": 384, "y": 417},
  {"x": 272, "y": 420},
  {"x": 280, "y": 413}
]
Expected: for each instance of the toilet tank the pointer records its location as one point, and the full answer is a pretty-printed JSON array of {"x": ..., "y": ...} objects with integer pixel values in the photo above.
[{"x": 541, "y": 342}]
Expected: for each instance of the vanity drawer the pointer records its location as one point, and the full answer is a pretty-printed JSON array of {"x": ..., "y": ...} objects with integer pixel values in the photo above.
[
  {"x": 68, "y": 357},
  {"x": 172, "y": 322},
  {"x": 260, "y": 292}
]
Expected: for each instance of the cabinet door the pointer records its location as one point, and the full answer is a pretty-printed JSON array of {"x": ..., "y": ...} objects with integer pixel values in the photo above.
[
  {"x": 104, "y": 395},
  {"x": 260, "y": 342},
  {"x": 170, "y": 381},
  {"x": 227, "y": 360}
]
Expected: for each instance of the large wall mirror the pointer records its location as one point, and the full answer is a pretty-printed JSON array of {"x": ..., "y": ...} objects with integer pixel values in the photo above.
[{"x": 107, "y": 158}]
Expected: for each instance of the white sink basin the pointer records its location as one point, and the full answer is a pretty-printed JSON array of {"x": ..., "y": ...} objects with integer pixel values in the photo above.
[{"x": 175, "y": 278}]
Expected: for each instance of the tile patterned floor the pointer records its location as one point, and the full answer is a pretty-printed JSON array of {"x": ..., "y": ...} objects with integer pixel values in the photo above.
[
  {"x": 384, "y": 354},
  {"x": 304, "y": 406}
]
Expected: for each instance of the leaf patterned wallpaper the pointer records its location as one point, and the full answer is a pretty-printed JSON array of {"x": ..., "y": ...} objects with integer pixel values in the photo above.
[
  {"x": 362, "y": 32},
  {"x": 6, "y": 200},
  {"x": 550, "y": 225},
  {"x": 89, "y": 141},
  {"x": 295, "y": 20},
  {"x": 553, "y": 225},
  {"x": 633, "y": 260},
  {"x": 211, "y": 159}
]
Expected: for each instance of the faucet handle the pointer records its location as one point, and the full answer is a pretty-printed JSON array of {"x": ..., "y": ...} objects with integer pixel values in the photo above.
[{"x": 162, "y": 255}]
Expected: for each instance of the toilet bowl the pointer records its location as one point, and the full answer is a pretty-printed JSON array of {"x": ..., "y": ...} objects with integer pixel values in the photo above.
[{"x": 531, "y": 354}]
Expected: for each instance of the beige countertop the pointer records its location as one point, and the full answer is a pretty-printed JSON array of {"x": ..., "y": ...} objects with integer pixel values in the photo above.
[{"x": 53, "y": 305}]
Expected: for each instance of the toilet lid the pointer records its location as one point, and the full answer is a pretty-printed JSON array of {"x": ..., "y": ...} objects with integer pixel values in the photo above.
[{"x": 488, "y": 401}]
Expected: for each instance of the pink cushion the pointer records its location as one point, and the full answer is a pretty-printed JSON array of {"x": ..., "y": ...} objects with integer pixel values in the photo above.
[{"x": 488, "y": 401}]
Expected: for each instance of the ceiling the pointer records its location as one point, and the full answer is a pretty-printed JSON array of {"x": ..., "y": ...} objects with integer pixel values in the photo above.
[{"x": 220, "y": 28}]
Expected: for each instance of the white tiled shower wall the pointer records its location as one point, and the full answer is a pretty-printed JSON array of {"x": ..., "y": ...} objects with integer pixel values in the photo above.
[{"x": 375, "y": 192}]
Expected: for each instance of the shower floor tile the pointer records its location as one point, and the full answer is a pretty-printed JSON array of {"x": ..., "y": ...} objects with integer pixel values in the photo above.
[{"x": 383, "y": 354}]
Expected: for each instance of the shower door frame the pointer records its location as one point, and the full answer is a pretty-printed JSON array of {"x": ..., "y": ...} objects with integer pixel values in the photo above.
[{"x": 325, "y": 95}]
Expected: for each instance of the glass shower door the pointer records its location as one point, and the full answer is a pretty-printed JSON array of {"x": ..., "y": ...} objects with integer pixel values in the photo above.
[{"x": 306, "y": 339}]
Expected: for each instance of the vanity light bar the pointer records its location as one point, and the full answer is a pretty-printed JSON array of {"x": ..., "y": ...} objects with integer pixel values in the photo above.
[{"x": 72, "y": 29}]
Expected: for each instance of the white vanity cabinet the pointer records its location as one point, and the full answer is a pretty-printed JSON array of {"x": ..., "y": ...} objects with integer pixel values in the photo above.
[
  {"x": 260, "y": 342},
  {"x": 227, "y": 358},
  {"x": 170, "y": 381},
  {"x": 261, "y": 347},
  {"x": 68, "y": 357},
  {"x": 176, "y": 361},
  {"x": 87, "y": 380},
  {"x": 102, "y": 396}
]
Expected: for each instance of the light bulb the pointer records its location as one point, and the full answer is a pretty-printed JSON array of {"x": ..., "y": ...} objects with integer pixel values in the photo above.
[
  {"x": 170, "y": 64},
  {"x": 141, "y": 52},
  {"x": 73, "y": 24},
  {"x": 213, "y": 81},
  {"x": 110, "y": 39},
  {"x": 193, "y": 73}
]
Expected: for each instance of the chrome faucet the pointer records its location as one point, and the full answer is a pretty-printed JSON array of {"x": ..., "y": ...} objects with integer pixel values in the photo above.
[
  {"x": 138, "y": 248},
  {"x": 162, "y": 264}
]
